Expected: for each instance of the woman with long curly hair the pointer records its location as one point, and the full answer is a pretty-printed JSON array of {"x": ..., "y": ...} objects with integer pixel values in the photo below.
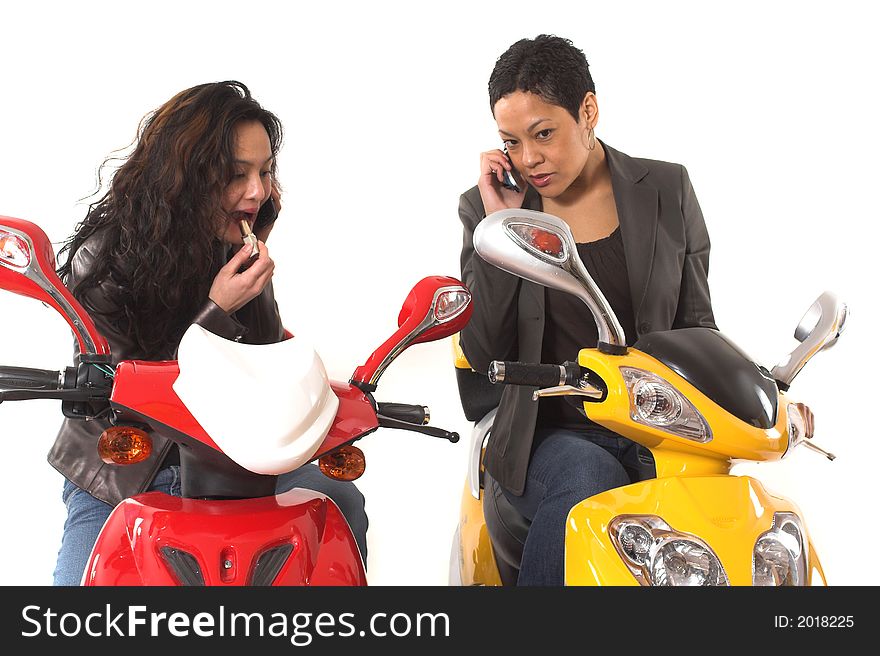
[{"x": 160, "y": 250}]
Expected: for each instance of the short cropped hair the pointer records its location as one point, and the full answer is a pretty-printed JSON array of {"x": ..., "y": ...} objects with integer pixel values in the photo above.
[{"x": 548, "y": 66}]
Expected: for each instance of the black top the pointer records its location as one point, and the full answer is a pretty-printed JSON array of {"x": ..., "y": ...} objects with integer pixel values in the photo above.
[{"x": 569, "y": 325}]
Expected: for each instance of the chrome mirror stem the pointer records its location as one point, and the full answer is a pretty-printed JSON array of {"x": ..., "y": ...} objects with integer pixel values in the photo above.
[{"x": 832, "y": 314}]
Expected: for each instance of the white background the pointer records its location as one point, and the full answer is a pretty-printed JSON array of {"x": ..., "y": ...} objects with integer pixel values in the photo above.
[{"x": 771, "y": 106}]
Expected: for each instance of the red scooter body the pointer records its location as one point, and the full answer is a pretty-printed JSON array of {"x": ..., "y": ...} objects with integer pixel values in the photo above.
[
  {"x": 257, "y": 538},
  {"x": 227, "y": 540},
  {"x": 223, "y": 542}
]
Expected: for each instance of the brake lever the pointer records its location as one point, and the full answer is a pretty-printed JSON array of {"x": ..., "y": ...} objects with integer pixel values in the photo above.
[
  {"x": 817, "y": 449},
  {"x": 586, "y": 389},
  {"x": 390, "y": 422}
]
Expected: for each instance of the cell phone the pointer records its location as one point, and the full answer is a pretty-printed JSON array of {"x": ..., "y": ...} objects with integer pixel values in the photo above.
[
  {"x": 508, "y": 180},
  {"x": 267, "y": 214}
]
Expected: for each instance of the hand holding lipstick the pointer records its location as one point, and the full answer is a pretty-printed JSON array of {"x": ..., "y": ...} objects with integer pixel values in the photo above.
[{"x": 243, "y": 278}]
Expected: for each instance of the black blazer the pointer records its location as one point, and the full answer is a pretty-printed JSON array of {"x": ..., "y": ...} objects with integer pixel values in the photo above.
[{"x": 667, "y": 255}]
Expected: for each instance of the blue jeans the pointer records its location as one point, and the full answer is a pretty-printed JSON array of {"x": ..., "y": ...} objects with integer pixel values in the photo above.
[
  {"x": 567, "y": 467},
  {"x": 86, "y": 514}
]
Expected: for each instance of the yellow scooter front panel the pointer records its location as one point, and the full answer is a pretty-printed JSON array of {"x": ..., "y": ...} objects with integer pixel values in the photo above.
[
  {"x": 728, "y": 513},
  {"x": 732, "y": 438}
]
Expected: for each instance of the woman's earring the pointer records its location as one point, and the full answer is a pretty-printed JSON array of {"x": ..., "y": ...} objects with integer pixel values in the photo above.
[{"x": 591, "y": 139}]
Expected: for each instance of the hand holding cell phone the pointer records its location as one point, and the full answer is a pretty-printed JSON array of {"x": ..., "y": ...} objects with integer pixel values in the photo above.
[
  {"x": 508, "y": 180},
  {"x": 499, "y": 185}
]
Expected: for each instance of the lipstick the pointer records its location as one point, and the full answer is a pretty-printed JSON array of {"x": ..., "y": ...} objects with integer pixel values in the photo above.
[{"x": 249, "y": 237}]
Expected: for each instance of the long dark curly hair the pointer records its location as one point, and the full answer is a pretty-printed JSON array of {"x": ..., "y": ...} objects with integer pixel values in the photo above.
[{"x": 158, "y": 250}]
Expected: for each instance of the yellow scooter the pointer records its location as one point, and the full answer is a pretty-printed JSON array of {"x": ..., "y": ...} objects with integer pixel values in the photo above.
[{"x": 692, "y": 398}]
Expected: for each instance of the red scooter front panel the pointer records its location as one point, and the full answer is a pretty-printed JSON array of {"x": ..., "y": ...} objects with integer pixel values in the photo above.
[
  {"x": 146, "y": 388},
  {"x": 158, "y": 539}
]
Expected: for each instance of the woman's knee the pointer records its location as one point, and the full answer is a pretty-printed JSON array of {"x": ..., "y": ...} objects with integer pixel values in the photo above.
[
  {"x": 85, "y": 518},
  {"x": 577, "y": 464},
  {"x": 351, "y": 502},
  {"x": 345, "y": 494}
]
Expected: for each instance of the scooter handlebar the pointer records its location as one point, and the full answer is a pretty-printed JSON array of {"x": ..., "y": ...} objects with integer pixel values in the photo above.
[
  {"x": 26, "y": 378},
  {"x": 533, "y": 375},
  {"x": 71, "y": 384},
  {"x": 413, "y": 414}
]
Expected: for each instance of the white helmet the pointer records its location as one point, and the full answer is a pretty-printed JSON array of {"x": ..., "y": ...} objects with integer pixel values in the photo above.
[{"x": 267, "y": 406}]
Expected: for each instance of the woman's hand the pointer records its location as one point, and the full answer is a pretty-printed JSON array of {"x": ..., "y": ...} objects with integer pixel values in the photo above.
[
  {"x": 495, "y": 196},
  {"x": 262, "y": 232},
  {"x": 807, "y": 414},
  {"x": 231, "y": 290}
]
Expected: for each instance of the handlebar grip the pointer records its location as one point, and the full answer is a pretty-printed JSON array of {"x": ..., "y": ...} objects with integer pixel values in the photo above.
[
  {"x": 25, "y": 378},
  {"x": 413, "y": 414},
  {"x": 533, "y": 375}
]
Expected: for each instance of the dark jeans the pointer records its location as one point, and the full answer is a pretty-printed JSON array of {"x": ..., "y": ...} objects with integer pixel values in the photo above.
[
  {"x": 567, "y": 467},
  {"x": 86, "y": 514}
]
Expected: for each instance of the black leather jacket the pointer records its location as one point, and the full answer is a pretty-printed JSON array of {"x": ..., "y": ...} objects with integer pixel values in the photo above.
[{"x": 74, "y": 452}]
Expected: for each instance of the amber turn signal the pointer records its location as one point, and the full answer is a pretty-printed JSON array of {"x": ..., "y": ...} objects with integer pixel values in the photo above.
[
  {"x": 344, "y": 464},
  {"x": 124, "y": 445}
]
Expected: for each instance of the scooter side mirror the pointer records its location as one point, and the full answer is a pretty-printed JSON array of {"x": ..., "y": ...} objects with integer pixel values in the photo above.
[
  {"x": 436, "y": 307},
  {"x": 27, "y": 267},
  {"x": 818, "y": 329},
  {"x": 540, "y": 247}
]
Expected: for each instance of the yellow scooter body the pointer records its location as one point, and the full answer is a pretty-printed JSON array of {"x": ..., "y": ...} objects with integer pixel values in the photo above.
[
  {"x": 693, "y": 493},
  {"x": 473, "y": 549},
  {"x": 728, "y": 513}
]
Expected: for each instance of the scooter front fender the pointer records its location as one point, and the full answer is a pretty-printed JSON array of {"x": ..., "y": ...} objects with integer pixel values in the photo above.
[
  {"x": 472, "y": 561},
  {"x": 729, "y": 513},
  {"x": 296, "y": 538}
]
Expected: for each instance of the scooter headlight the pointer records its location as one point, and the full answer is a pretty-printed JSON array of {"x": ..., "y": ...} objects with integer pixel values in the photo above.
[
  {"x": 655, "y": 402},
  {"x": 635, "y": 540},
  {"x": 679, "y": 562},
  {"x": 658, "y": 555},
  {"x": 780, "y": 556}
]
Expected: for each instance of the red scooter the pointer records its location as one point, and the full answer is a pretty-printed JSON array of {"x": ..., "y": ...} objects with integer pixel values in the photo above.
[{"x": 228, "y": 527}]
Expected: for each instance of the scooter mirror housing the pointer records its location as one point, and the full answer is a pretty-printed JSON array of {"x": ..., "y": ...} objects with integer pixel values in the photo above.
[
  {"x": 818, "y": 329},
  {"x": 540, "y": 247},
  {"x": 27, "y": 267},
  {"x": 436, "y": 307}
]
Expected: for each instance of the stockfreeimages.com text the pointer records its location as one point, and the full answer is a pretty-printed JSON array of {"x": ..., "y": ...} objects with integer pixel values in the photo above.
[{"x": 300, "y": 628}]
